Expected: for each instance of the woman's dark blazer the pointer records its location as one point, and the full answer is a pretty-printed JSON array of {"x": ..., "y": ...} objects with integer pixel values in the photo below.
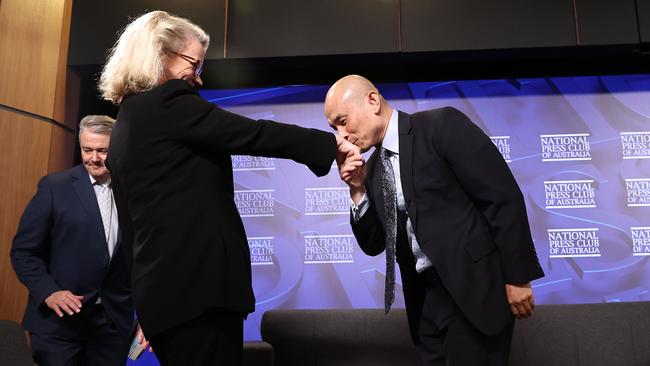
[{"x": 172, "y": 176}]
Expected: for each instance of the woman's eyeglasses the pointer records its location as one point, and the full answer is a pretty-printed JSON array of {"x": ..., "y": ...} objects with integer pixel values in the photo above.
[{"x": 196, "y": 64}]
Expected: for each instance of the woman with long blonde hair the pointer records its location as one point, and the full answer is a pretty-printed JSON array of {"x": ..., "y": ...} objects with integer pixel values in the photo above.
[{"x": 172, "y": 177}]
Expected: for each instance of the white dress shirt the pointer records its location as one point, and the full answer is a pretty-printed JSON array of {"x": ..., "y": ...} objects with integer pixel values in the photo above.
[{"x": 391, "y": 143}]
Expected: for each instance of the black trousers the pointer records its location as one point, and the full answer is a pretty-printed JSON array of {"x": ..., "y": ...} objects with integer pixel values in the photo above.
[
  {"x": 448, "y": 338},
  {"x": 98, "y": 342},
  {"x": 214, "y": 338}
]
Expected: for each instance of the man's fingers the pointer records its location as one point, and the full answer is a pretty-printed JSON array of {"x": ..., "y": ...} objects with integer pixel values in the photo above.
[
  {"x": 350, "y": 148},
  {"x": 349, "y": 168},
  {"x": 522, "y": 310},
  {"x": 518, "y": 309},
  {"x": 64, "y": 302},
  {"x": 351, "y": 165},
  {"x": 56, "y": 309},
  {"x": 514, "y": 310},
  {"x": 353, "y": 158},
  {"x": 73, "y": 302},
  {"x": 520, "y": 298},
  {"x": 63, "y": 306},
  {"x": 528, "y": 310}
]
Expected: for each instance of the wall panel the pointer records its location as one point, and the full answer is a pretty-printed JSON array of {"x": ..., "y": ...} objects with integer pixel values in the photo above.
[
  {"x": 34, "y": 139},
  {"x": 454, "y": 25},
  {"x": 603, "y": 22},
  {"x": 258, "y": 28},
  {"x": 93, "y": 35},
  {"x": 32, "y": 33},
  {"x": 24, "y": 155},
  {"x": 643, "y": 12}
]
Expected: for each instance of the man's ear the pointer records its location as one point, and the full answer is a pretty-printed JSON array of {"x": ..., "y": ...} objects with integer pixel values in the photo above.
[{"x": 374, "y": 100}]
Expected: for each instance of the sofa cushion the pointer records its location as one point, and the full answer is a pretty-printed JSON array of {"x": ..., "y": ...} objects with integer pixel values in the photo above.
[
  {"x": 584, "y": 334},
  {"x": 257, "y": 353},
  {"x": 609, "y": 334},
  {"x": 339, "y": 337}
]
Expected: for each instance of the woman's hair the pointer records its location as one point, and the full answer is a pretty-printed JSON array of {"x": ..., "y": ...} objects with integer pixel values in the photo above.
[{"x": 137, "y": 61}]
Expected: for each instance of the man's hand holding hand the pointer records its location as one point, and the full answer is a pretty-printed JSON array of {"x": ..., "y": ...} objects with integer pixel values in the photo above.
[
  {"x": 521, "y": 300},
  {"x": 64, "y": 301},
  {"x": 353, "y": 172},
  {"x": 346, "y": 149},
  {"x": 352, "y": 168}
]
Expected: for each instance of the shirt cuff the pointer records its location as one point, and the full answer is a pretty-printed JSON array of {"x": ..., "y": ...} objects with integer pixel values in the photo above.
[{"x": 359, "y": 210}]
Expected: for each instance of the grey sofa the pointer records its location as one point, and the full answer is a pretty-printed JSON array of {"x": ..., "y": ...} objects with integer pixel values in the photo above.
[
  {"x": 558, "y": 335},
  {"x": 13, "y": 345}
]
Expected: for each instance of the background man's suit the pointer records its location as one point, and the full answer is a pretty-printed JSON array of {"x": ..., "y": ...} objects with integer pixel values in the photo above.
[
  {"x": 61, "y": 245},
  {"x": 468, "y": 215}
]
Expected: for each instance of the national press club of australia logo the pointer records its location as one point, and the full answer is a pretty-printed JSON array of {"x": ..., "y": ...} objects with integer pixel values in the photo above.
[
  {"x": 327, "y": 201},
  {"x": 569, "y": 194},
  {"x": 635, "y": 145},
  {"x": 255, "y": 203},
  {"x": 565, "y": 147},
  {"x": 329, "y": 249},
  {"x": 573, "y": 243}
]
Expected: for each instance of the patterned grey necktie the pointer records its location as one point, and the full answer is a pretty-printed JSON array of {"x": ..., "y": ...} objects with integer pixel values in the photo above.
[{"x": 390, "y": 212}]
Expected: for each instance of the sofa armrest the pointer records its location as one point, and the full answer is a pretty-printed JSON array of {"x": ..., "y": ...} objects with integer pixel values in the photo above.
[{"x": 257, "y": 353}]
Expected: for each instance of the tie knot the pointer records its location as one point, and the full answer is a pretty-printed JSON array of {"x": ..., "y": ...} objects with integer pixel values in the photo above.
[
  {"x": 105, "y": 184},
  {"x": 385, "y": 153}
]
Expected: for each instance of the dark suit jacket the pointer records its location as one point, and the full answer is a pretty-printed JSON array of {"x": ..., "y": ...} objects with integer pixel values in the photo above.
[
  {"x": 468, "y": 215},
  {"x": 172, "y": 174},
  {"x": 61, "y": 245}
]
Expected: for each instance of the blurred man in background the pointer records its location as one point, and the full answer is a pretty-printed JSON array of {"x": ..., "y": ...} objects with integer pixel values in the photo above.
[{"x": 67, "y": 252}]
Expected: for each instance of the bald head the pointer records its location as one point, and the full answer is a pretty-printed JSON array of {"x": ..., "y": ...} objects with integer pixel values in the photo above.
[
  {"x": 351, "y": 88},
  {"x": 356, "y": 110}
]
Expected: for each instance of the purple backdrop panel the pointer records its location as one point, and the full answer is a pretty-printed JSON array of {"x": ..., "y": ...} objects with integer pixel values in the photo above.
[{"x": 579, "y": 148}]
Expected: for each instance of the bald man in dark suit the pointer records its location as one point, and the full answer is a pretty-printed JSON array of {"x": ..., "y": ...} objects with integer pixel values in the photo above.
[{"x": 437, "y": 193}]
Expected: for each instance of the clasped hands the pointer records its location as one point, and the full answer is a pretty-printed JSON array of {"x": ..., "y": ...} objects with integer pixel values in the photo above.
[{"x": 352, "y": 167}]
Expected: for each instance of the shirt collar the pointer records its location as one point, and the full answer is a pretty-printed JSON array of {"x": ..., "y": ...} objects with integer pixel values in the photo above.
[
  {"x": 391, "y": 138},
  {"x": 93, "y": 181}
]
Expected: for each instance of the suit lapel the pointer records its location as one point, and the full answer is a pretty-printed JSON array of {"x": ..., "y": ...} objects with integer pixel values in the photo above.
[
  {"x": 406, "y": 163},
  {"x": 86, "y": 193}
]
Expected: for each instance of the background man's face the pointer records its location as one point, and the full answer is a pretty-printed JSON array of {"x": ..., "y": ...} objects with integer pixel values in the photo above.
[{"x": 94, "y": 148}]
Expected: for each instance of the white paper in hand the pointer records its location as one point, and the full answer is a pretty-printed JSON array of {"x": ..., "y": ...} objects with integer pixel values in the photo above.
[{"x": 136, "y": 349}]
